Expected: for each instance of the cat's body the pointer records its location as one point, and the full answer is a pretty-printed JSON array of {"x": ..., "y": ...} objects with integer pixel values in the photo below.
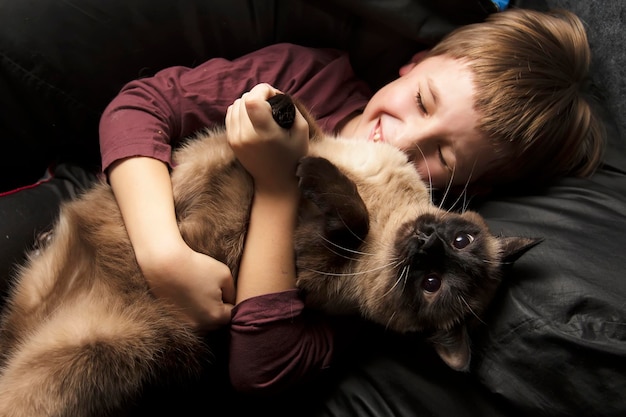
[{"x": 81, "y": 332}]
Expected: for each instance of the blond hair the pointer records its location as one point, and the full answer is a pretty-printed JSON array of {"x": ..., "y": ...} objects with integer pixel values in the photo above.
[{"x": 530, "y": 72}]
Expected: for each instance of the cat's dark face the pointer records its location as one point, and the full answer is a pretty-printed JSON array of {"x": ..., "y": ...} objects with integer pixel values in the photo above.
[
  {"x": 448, "y": 267},
  {"x": 440, "y": 272}
]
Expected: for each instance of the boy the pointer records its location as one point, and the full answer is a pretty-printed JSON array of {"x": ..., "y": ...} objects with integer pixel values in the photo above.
[{"x": 496, "y": 102}]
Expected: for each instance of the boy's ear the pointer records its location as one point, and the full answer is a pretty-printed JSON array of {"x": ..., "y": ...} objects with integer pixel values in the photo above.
[{"x": 415, "y": 59}]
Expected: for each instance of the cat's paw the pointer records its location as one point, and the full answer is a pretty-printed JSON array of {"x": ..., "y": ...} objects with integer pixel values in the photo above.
[
  {"x": 325, "y": 185},
  {"x": 345, "y": 214}
]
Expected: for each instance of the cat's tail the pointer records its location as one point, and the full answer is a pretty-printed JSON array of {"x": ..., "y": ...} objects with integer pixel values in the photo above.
[{"x": 94, "y": 356}]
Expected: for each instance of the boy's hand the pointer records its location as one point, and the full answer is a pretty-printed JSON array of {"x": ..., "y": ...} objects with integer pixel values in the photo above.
[
  {"x": 267, "y": 151},
  {"x": 198, "y": 287}
]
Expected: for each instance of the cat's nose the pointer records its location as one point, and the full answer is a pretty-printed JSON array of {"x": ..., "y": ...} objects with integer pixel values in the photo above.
[{"x": 428, "y": 242}]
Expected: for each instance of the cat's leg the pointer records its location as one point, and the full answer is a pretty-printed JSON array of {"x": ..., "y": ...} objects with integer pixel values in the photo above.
[
  {"x": 41, "y": 285},
  {"x": 345, "y": 216},
  {"x": 93, "y": 355}
]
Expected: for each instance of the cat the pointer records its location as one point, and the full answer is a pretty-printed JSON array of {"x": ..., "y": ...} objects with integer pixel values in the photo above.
[{"x": 81, "y": 332}]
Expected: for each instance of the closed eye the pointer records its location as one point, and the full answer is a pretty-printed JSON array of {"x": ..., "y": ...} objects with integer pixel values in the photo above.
[{"x": 420, "y": 103}]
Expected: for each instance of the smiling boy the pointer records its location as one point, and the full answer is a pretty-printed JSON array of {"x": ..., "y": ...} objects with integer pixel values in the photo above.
[{"x": 496, "y": 102}]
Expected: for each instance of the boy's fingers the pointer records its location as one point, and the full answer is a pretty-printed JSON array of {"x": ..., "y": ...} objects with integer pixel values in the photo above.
[
  {"x": 253, "y": 114},
  {"x": 257, "y": 103},
  {"x": 259, "y": 112},
  {"x": 263, "y": 91},
  {"x": 237, "y": 121}
]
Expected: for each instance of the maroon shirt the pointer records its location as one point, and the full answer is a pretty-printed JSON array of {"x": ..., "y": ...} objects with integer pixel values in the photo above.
[
  {"x": 274, "y": 341},
  {"x": 152, "y": 114}
]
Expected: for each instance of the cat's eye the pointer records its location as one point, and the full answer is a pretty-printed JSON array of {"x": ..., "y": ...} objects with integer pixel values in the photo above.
[
  {"x": 462, "y": 241},
  {"x": 431, "y": 283}
]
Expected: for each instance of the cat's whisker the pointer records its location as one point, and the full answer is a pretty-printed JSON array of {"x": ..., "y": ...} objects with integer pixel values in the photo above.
[
  {"x": 390, "y": 320},
  {"x": 463, "y": 193},
  {"x": 406, "y": 276},
  {"x": 404, "y": 272},
  {"x": 350, "y": 230},
  {"x": 392, "y": 265},
  {"x": 448, "y": 188},
  {"x": 430, "y": 178},
  {"x": 470, "y": 309},
  {"x": 333, "y": 244},
  {"x": 340, "y": 254}
]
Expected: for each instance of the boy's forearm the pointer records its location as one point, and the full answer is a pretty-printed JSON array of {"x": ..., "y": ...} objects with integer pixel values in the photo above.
[
  {"x": 143, "y": 190},
  {"x": 268, "y": 262}
]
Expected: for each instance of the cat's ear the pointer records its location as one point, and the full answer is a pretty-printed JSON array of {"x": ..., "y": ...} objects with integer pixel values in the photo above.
[
  {"x": 453, "y": 347},
  {"x": 514, "y": 247}
]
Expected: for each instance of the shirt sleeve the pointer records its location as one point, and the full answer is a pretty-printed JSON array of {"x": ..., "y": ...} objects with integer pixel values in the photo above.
[
  {"x": 275, "y": 343},
  {"x": 151, "y": 115}
]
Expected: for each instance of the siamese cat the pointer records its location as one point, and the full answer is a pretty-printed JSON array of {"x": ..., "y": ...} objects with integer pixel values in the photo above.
[{"x": 81, "y": 332}]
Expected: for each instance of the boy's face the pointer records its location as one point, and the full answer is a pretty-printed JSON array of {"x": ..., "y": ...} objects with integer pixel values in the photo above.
[{"x": 428, "y": 113}]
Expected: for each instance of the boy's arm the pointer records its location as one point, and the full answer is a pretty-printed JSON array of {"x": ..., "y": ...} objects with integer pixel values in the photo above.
[
  {"x": 270, "y": 154},
  {"x": 275, "y": 342},
  {"x": 267, "y": 264},
  {"x": 197, "y": 286}
]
